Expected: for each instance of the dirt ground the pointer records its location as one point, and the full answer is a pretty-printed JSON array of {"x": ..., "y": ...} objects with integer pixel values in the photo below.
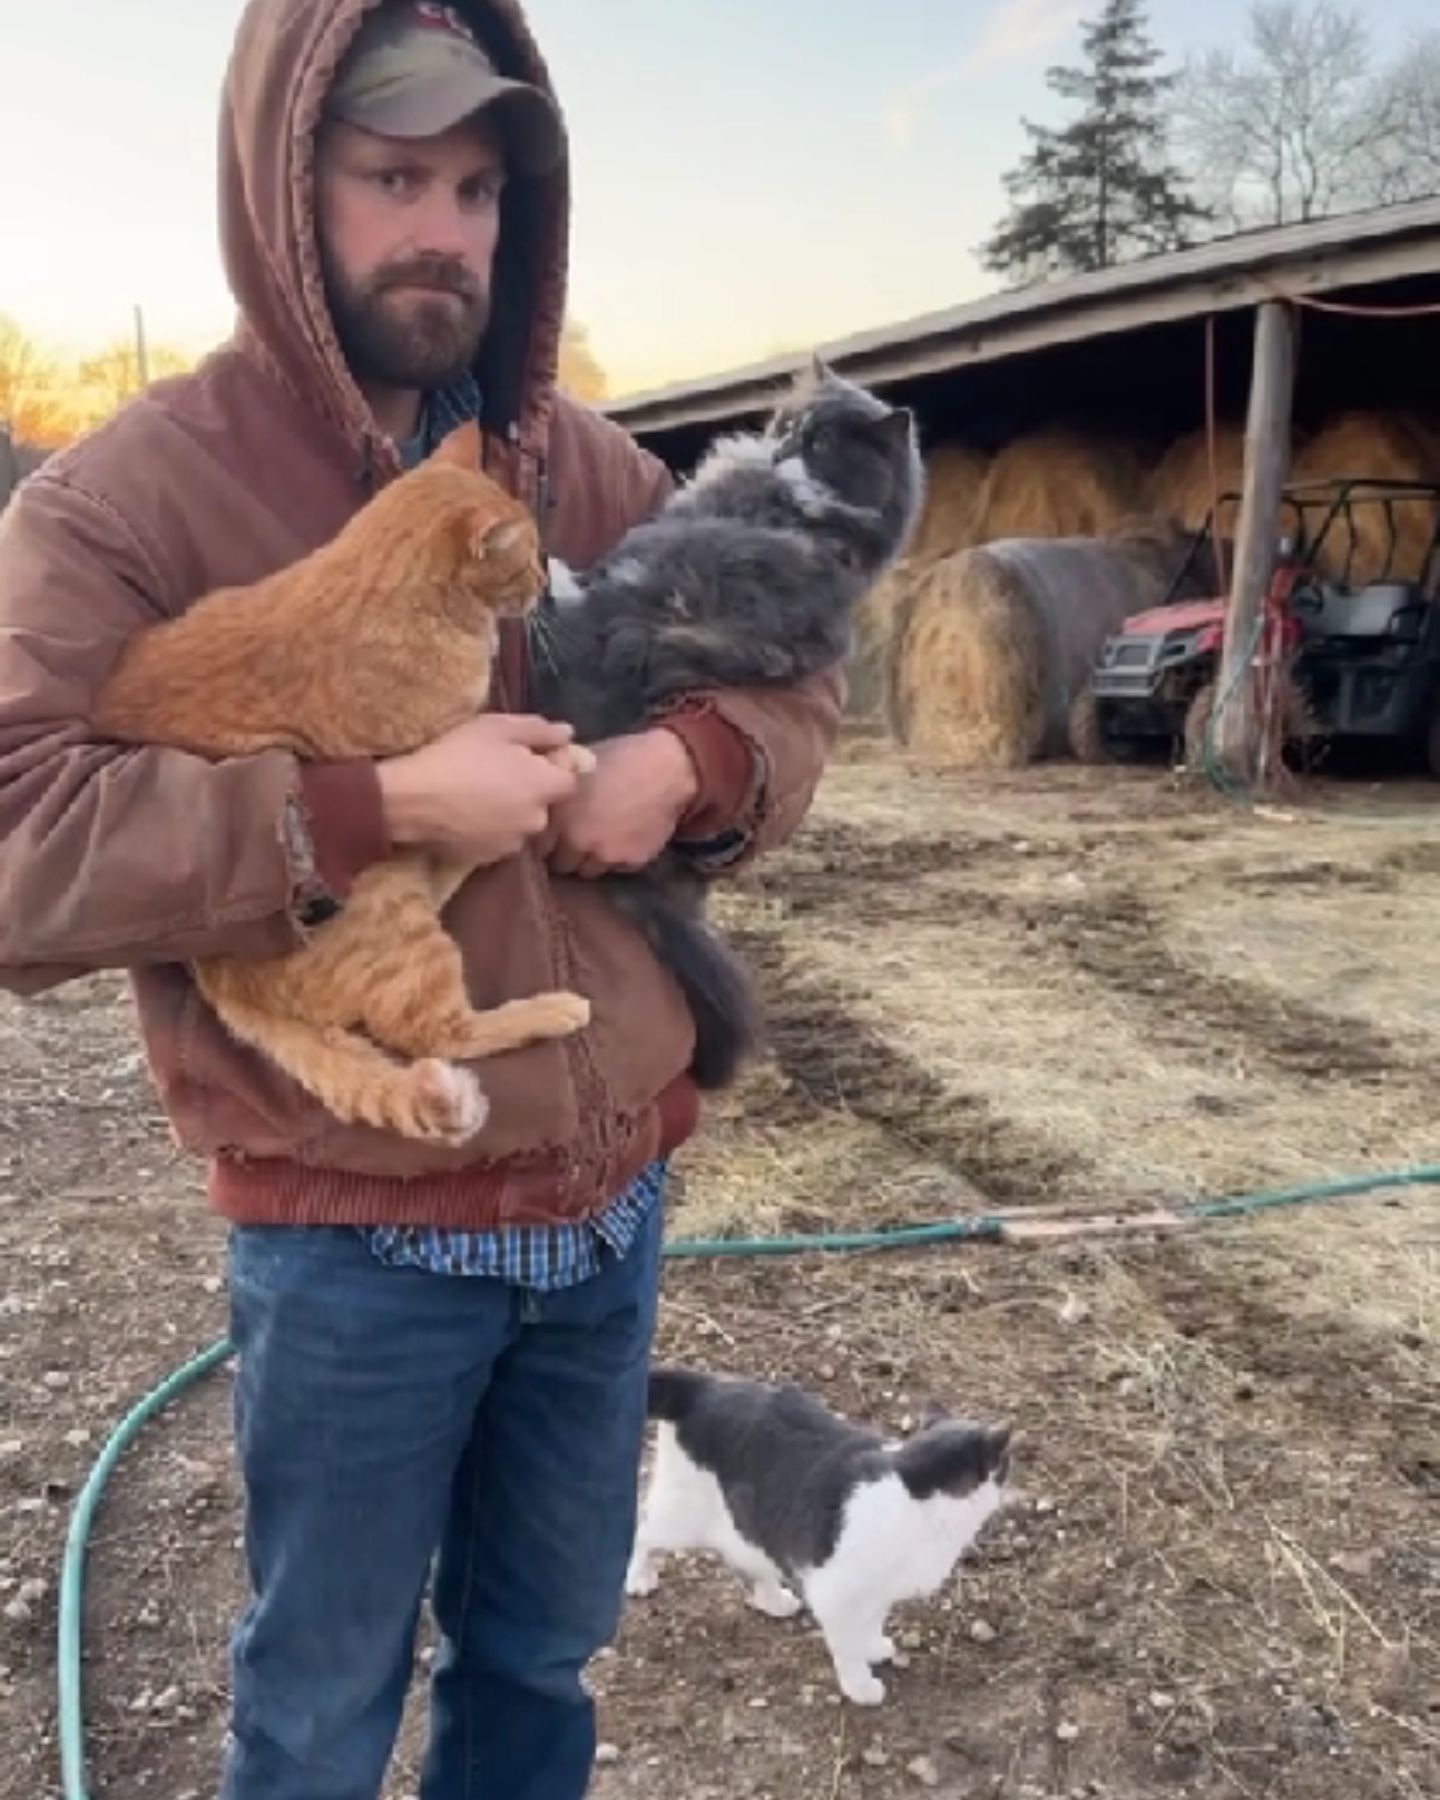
[{"x": 1063, "y": 986}]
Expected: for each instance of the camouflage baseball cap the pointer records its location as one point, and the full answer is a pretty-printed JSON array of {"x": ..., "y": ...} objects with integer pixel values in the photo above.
[{"x": 416, "y": 68}]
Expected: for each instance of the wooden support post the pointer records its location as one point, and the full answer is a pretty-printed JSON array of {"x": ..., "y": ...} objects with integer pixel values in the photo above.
[{"x": 1267, "y": 466}]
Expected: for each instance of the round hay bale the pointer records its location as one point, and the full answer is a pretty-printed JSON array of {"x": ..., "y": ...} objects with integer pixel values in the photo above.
[
  {"x": 991, "y": 645},
  {"x": 1180, "y": 486},
  {"x": 954, "y": 479},
  {"x": 1059, "y": 484},
  {"x": 954, "y": 483},
  {"x": 1390, "y": 447},
  {"x": 866, "y": 672}
]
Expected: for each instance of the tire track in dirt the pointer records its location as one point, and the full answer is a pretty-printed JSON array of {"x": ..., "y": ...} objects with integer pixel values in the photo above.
[
  {"x": 1115, "y": 940},
  {"x": 841, "y": 1064},
  {"x": 1120, "y": 942}
]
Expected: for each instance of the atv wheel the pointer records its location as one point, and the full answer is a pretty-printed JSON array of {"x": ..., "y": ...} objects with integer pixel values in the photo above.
[
  {"x": 1197, "y": 727},
  {"x": 1088, "y": 742},
  {"x": 1432, "y": 746},
  {"x": 1300, "y": 727}
]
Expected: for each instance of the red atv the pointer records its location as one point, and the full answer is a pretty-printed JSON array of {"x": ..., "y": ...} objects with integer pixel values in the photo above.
[{"x": 1334, "y": 660}]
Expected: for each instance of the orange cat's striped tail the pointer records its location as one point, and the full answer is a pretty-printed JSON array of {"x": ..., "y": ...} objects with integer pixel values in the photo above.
[{"x": 359, "y": 1083}]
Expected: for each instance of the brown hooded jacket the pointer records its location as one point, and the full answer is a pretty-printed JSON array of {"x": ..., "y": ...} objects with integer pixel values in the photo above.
[{"x": 144, "y": 859}]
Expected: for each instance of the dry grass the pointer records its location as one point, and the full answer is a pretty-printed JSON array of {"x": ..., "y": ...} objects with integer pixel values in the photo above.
[
  {"x": 1058, "y": 985},
  {"x": 1091, "y": 985}
]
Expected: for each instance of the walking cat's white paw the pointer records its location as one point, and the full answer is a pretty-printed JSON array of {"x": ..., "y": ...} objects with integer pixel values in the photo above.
[
  {"x": 863, "y": 1690},
  {"x": 775, "y": 1602},
  {"x": 641, "y": 1580}
]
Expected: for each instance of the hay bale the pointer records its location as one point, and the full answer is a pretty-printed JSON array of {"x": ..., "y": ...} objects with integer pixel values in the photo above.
[
  {"x": 1180, "y": 487},
  {"x": 954, "y": 484},
  {"x": 992, "y": 644},
  {"x": 1388, "y": 446},
  {"x": 954, "y": 479},
  {"x": 1059, "y": 484},
  {"x": 866, "y": 672}
]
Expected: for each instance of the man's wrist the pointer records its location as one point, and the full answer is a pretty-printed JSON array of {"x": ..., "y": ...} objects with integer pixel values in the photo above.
[
  {"x": 678, "y": 771},
  {"x": 725, "y": 772},
  {"x": 397, "y": 801}
]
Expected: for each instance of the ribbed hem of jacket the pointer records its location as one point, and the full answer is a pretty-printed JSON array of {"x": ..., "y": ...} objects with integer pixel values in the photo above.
[{"x": 547, "y": 1191}]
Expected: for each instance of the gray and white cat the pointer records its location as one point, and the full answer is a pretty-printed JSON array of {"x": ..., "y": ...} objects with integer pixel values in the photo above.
[
  {"x": 748, "y": 576},
  {"x": 794, "y": 1497}
]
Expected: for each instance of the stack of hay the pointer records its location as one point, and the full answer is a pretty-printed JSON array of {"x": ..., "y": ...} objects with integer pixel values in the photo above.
[
  {"x": 1046, "y": 484},
  {"x": 1358, "y": 445},
  {"x": 974, "y": 646},
  {"x": 1387, "y": 447}
]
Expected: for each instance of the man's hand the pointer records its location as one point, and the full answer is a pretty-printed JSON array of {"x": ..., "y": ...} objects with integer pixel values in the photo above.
[
  {"x": 625, "y": 813},
  {"x": 482, "y": 790}
]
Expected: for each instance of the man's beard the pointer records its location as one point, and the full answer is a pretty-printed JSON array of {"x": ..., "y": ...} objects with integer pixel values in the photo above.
[{"x": 431, "y": 343}]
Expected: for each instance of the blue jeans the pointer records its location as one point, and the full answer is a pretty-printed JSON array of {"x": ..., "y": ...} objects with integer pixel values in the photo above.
[{"x": 384, "y": 1415}]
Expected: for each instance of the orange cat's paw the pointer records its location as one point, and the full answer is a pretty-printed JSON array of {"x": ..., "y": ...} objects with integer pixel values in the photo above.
[
  {"x": 448, "y": 1102},
  {"x": 556, "y": 1015}
]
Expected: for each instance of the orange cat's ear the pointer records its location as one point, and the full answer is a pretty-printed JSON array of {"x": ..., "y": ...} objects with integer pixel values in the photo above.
[
  {"x": 497, "y": 539},
  {"x": 461, "y": 449}
]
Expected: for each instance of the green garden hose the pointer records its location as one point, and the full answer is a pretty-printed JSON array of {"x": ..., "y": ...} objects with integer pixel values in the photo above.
[{"x": 981, "y": 1228}]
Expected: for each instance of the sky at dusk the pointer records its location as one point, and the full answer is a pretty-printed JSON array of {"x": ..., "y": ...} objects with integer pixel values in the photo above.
[{"x": 748, "y": 175}]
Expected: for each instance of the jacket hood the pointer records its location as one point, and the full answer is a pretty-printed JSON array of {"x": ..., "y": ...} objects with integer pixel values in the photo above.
[{"x": 284, "y": 60}]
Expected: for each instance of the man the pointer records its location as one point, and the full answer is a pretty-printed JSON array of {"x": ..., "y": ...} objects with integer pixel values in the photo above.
[{"x": 442, "y": 1352}]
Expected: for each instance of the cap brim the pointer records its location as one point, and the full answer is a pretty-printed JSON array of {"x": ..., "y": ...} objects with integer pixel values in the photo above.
[{"x": 426, "y": 106}]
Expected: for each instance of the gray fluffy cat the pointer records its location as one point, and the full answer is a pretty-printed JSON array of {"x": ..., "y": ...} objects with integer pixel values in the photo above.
[
  {"x": 794, "y": 1497},
  {"x": 748, "y": 577}
]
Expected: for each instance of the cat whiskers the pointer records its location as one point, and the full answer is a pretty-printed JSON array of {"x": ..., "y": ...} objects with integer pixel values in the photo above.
[{"x": 541, "y": 639}]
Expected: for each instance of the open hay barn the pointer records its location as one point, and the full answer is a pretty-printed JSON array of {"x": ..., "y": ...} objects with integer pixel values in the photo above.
[{"x": 1077, "y": 409}]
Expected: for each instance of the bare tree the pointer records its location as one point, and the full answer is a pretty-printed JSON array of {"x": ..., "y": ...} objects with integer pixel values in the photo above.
[
  {"x": 32, "y": 398},
  {"x": 1407, "y": 167},
  {"x": 1298, "y": 124},
  {"x": 21, "y": 372}
]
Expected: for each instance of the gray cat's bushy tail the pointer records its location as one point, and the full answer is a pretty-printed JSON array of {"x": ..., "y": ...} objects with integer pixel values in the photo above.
[{"x": 716, "y": 987}]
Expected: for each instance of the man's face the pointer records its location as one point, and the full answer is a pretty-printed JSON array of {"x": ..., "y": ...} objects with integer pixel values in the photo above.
[{"x": 407, "y": 229}]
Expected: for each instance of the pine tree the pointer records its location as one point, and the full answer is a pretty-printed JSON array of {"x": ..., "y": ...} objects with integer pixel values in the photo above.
[{"x": 1101, "y": 189}]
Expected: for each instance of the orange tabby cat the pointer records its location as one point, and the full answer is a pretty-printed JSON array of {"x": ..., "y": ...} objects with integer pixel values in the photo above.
[{"x": 371, "y": 646}]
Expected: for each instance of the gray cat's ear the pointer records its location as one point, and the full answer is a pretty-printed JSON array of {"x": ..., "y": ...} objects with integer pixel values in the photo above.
[
  {"x": 997, "y": 1445},
  {"x": 819, "y": 368},
  {"x": 931, "y": 1413},
  {"x": 897, "y": 425}
]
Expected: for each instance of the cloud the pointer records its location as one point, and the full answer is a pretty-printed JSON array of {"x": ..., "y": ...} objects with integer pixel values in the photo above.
[
  {"x": 1013, "y": 31},
  {"x": 1018, "y": 29}
]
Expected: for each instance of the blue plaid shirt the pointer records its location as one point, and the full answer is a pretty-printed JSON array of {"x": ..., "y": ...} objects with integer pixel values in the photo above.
[{"x": 544, "y": 1257}]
